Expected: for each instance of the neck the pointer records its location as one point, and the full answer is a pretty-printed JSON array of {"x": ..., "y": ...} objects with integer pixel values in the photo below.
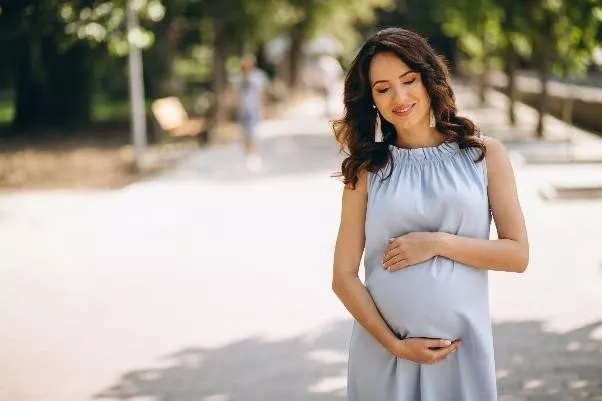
[{"x": 423, "y": 137}]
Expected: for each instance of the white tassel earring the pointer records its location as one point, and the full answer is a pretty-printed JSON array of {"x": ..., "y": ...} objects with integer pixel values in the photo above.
[
  {"x": 432, "y": 120},
  {"x": 378, "y": 133}
]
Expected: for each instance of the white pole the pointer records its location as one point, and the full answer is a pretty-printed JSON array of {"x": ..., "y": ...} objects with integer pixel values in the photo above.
[{"x": 138, "y": 111}]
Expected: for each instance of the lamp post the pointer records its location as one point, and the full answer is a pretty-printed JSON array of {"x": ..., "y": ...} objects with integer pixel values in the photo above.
[{"x": 138, "y": 112}]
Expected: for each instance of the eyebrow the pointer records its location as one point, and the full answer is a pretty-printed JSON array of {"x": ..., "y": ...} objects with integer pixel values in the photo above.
[{"x": 399, "y": 77}]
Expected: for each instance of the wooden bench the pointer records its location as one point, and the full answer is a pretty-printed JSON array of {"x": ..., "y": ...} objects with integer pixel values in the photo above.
[{"x": 172, "y": 118}]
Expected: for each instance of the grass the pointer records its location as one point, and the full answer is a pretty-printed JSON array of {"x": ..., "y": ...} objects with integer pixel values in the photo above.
[
  {"x": 110, "y": 110},
  {"x": 7, "y": 112},
  {"x": 103, "y": 110}
]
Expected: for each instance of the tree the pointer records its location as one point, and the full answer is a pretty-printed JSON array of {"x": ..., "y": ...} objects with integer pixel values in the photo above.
[
  {"x": 422, "y": 16},
  {"x": 476, "y": 25},
  {"x": 514, "y": 44},
  {"x": 563, "y": 35},
  {"x": 235, "y": 26},
  {"x": 337, "y": 17},
  {"x": 54, "y": 47}
]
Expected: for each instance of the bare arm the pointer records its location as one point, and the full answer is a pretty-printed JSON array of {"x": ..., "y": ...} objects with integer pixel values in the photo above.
[
  {"x": 350, "y": 290},
  {"x": 510, "y": 252},
  {"x": 347, "y": 256}
]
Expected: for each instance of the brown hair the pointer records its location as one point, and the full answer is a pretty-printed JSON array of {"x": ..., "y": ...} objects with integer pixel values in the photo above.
[{"x": 355, "y": 130}]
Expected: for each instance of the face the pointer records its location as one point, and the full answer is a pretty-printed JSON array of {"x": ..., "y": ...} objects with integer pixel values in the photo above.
[
  {"x": 398, "y": 92},
  {"x": 247, "y": 63}
]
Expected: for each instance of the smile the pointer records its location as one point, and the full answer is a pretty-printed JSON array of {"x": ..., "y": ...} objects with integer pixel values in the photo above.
[{"x": 405, "y": 111}]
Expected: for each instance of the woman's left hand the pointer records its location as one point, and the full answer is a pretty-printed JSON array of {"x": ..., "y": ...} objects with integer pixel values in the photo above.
[{"x": 409, "y": 249}]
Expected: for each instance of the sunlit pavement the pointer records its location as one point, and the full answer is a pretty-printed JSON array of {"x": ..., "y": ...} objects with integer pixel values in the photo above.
[{"x": 211, "y": 282}]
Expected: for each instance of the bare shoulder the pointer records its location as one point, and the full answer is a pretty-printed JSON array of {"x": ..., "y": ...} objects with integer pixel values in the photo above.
[
  {"x": 493, "y": 145},
  {"x": 500, "y": 172},
  {"x": 361, "y": 186},
  {"x": 496, "y": 155}
]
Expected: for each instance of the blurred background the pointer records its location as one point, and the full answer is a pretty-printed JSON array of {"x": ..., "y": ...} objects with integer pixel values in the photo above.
[{"x": 141, "y": 260}]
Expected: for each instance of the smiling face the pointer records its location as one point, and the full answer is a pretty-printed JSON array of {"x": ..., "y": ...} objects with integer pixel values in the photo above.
[{"x": 398, "y": 92}]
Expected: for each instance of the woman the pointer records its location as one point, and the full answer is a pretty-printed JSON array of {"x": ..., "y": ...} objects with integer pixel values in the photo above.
[{"x": 420, "y": 190}]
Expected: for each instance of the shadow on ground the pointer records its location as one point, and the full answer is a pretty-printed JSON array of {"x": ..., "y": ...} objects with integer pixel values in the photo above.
[
  {"x": 536, "y": 365},
  {"x": 311, "y": 367},
  {"x": 532, "y": 364},
  {"x": 283, "y": 155}
]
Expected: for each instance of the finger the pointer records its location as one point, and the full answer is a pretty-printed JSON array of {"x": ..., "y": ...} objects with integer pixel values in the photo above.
[
  {"x": 442, "y": 343},
  {"x": 442, "y": 353},
  {"x": 401, "y": 264},
  {"x": 431, "y": 357},
  {"x": 390, "y": 245},
  {"x": 391, "y": 261},
  {"x": 391, "y": 253},
  {"x": 436, "y": 356},
  {"x": 392, "y": 249}
]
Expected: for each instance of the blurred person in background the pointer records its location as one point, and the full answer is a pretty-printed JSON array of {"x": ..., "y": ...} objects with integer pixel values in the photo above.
[
  {"x": 421, "y": 187},
  {"x": 249, "y": 99}
]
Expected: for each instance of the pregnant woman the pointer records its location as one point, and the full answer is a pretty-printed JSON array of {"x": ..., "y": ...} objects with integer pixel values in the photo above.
[{"x": 421, "y": 185}]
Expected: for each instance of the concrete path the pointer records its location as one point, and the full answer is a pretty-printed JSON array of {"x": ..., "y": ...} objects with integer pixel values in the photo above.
[{"x": 209, "y": 283}]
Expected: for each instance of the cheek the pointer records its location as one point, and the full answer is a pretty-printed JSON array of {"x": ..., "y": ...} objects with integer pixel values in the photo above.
[
  {"x": 382, "y": 104},
  {"x": 419, "y": 92},
  {"x": 379, "y": 99}
]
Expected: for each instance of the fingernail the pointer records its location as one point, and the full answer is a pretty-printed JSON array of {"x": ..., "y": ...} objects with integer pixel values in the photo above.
[{"x": 446, "y": 342}]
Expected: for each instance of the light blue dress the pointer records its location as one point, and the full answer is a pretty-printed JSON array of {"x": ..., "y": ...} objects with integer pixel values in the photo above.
[{"x": 434, "y": 189}]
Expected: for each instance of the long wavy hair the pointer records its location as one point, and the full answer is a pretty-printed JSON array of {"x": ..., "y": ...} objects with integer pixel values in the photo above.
[{"x": 355, "y": 130}]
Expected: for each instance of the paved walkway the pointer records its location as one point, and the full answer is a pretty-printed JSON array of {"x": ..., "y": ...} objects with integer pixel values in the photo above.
[{"x": 209, "y": 282}]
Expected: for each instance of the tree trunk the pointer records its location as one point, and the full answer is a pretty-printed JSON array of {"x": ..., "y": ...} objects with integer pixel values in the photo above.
[
  {"x": 29, "y": 91},
  {"x": 511, "y": 92},
  {"x": 567, "y": 107},
  {"x": 483, "y": 83},
  {"x": 485, "y": 61},
  {"x": 219, "y": 78},
  {"x": 52, "y": 88},
  {"x": 294, "y": 57},
  {"x": 159, "y": 59},
  {"x": 262, "y": 61},
  {"x": 70, "y": 78},
  {"x": 542, "y": 104}
]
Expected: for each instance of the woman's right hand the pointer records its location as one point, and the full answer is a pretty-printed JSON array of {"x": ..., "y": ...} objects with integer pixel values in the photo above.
[{"x": 425, "y": 350}]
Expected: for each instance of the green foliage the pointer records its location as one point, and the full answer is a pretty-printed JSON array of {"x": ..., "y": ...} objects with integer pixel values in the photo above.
[
  {"x": 104, "y": 109},
  {"x": 7, "y": 112},
  {"x": 73, "y": 21},
  {"x": 575, "y": 30},
  {"x": 563, "y": 31},
  {"x": 339, "y": 19},
  {"x": 105, "y": 22},
  {"x": 475, "y": 23}
]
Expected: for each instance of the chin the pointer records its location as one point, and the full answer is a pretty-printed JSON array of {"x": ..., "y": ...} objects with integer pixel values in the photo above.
[{"x": 405, "y": 125}]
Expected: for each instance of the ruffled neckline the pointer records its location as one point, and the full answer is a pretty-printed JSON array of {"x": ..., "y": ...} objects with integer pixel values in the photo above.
[{"x": 418, "y": 155}]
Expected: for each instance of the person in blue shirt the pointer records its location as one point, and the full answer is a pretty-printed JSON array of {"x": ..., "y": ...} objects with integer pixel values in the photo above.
[{"x": 249, "y": 98}]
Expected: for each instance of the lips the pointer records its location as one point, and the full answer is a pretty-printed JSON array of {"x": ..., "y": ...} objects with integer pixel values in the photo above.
[{"x": 404, "y": 111}]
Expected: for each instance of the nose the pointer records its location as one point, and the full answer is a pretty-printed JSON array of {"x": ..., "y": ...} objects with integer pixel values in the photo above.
[{"x": 400, "y": 94}]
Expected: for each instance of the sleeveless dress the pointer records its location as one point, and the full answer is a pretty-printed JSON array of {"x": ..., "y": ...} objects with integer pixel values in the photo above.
[{"x": 433, "y": 189}]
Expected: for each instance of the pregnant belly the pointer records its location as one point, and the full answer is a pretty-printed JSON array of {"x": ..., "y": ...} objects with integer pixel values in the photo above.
[{"x": 437, "y": 298}]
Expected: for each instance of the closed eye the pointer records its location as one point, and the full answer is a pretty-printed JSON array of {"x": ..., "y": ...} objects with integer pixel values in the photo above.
[
  {"x": 382, "y": 90},
  {"x": 410, "y": 82}
]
